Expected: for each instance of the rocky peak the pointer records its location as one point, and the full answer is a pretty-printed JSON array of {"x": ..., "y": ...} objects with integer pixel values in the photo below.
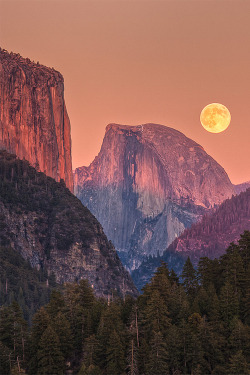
[
  {"x": 34, "y": 123},
  {"x": 183, "y": 160},
  {"x": 147, "y": 184}
]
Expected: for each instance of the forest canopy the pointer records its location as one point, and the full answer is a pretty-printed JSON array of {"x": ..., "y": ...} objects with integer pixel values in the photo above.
[{"x": 198, "y": 323}]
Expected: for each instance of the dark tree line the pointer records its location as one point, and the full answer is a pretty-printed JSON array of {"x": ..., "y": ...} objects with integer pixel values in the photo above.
[{"x": 197, "y": 324}]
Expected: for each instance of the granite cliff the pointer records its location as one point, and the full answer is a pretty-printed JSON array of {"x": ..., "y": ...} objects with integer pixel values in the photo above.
[
  {"x": 147, "y": 184},
  {"x": 42, "y": 220},
  {"x": 34, "y": 123}
]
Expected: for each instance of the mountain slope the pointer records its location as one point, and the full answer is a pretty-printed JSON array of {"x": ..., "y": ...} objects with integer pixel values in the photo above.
[
  {"x": 50, "y": 227},
  {"x": 147, "y": 184},
  {"x": 34, "y": 123},
  {"x": 210, "y": 237},
  {"x": 242, "y": 187},
  {"x": 22, "y": 283}
]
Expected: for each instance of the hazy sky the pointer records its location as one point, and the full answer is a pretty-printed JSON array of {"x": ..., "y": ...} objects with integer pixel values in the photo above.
[{"x": 137, "y": 61}]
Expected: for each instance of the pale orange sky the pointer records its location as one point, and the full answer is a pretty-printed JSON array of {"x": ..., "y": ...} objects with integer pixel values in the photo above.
[{"x": 137, "y": 61}]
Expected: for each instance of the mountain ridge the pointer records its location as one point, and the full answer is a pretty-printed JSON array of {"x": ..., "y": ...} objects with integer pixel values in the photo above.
[{"x": 147, "y": 184}]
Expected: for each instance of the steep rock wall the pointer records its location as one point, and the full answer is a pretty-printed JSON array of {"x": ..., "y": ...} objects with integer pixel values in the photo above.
[
  {"x": 34, "y": 123},
  {"x": 147, "y": 184}
]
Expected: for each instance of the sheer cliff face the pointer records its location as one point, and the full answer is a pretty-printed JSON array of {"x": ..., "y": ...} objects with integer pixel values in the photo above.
[
  {"x": 34, "y": 123},
  {"x": 148, "y": 184}
]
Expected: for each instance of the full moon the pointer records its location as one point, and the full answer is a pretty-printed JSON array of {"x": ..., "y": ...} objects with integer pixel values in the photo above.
[{"x": 215, "y": 118}]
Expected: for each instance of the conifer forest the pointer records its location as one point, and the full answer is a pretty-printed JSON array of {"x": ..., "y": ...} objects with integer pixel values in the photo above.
[{"x": 197, "y": 324}]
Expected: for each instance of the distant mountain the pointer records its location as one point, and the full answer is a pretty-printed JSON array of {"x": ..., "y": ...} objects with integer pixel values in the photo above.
[
  {"x": 210, "y": 237},
  {"x": 34, "y": 123},
  {"x": 42, "y": 220},
  {"x": 242, "y": 187},
  {"x": 148, "y": 183}
]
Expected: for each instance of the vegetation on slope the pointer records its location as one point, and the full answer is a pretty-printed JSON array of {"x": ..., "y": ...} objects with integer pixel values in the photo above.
[
  {"x": 23, "y": 190},
  {"x": 199, "y": 325},
  {"x": 22, "y": 283},
  {"x": 209, "y": 237},
  {"x": 213, "y": 233},
  {"x": 42, "y": 220}
]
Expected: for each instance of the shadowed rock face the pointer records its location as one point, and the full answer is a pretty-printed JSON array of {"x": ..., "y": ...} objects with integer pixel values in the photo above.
[
  {"x": 34, "y": 123},
  {"x": 42, "y": 220},
  {"x": 148, "y": 183}
]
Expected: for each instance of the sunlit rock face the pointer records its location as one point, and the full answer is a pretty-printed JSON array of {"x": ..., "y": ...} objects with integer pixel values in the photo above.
[
  {"x": 147, "y": 184},
  {"x": 34, "y": 123}
]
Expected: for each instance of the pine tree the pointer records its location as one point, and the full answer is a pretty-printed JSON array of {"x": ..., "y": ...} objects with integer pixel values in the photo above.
[
  {"x": 208, "y": 271},
  {"x": 239, "y": 339},
  {"x": 174, "y": 340},
  {"x": 160, "y": 282},
  {"x": 132, "y": 359},
  {"x": 173, "y": 278},
  {"x": 143, "y": 355},
  {"x": 134, "y": 324},
  {"x": 19, "y": 332},
  {"x": 158, "y": 358},
  {"x": 56, "y": 304},
  {"x": 229, "y": 304},
  {"x": 233, "y": 269},
  {"x": 195, "y": 351},
  {"x": 41, "y": 321},
  {"x": 110, "y": 321},
  {"x": 80, "y": 302},
  {"x": 178, "y": 304},
  {"x": 50, "y": 358},
  {"x": 13, "y": 332},
  {"x": 213, "y": 308},
  {"x": 90, "y": 351},
  {"x": 190, "y": 280},
  {"x": 61, "y": 326},
  {"x": 202, "y": 300},
  {"x": 214, "y": 345},
  {"x": 115, "y": 355},
  {"x": 156, "y": 315}
]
